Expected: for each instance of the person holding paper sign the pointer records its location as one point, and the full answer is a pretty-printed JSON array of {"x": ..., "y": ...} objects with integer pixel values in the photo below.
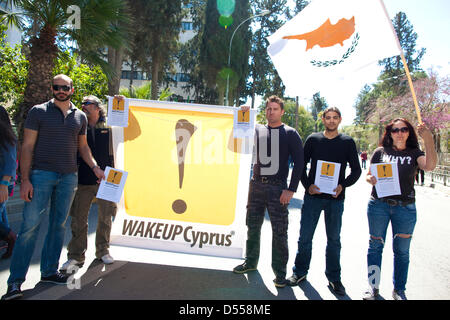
[
  {"x": 334, "y": 150},
  {"x": 399, "y": 145},
  {"x": 275, "y": 143},
  {"x": 54, "y": 132},
  {"x": 99, "y": 138}
]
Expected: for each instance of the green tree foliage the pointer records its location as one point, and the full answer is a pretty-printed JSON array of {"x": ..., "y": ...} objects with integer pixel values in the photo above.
[
  {"x": 264, "y": 79},
  {"x": 155, "y": 33},
  {"x": 393, "y": 67},
  {"x": 144, "y": 92},
  {"x": 13, "y": 72},
  {"x": 215, "y": 45},
  {"x": 392, "y": 81},
  {"x": 87, "y": 80},
  {"x": 51, "y": 20}
]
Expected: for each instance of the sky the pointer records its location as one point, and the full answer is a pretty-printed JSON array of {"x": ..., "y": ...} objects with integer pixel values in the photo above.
[{"x": 431, "y": 23}]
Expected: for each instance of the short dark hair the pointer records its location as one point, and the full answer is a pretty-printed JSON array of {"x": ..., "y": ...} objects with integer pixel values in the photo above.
[
  {"x": 275, "y": 99},
  {"x": 333, "y": 109},
  {"x": 411, "y": 142},
  {"x": 63, "y": 76}
]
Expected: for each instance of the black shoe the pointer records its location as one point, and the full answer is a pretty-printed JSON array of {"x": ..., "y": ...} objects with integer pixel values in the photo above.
[
  {"x": 280, "y": 282},
  {"x": 337, "y": 287},
  {"x": 371, "y": 294},
  {"x": 57, "y": 278},
  {"x": 399, "y": 295},
  {"x": 13, "y": 292},
  {"x": 243, "y": 268},
  {"x": 10, "y": 240},
  {"x": 295, "y": 280}
]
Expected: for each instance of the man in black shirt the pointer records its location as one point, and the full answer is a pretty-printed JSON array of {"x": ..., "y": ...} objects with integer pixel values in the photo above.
[
  {"x": 274, "y": 143},
  {"x": 330, "y": 146}
]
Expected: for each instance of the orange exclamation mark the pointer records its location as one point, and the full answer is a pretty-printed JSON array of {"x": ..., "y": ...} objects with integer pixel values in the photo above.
[{"x": 183, "y": 133}]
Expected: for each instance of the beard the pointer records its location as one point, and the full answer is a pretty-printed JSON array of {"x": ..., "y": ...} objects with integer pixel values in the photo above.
[{"x": 69, "y": 95}]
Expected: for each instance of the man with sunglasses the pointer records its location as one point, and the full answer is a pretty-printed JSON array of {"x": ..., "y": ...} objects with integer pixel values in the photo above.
[
  {"x": 54, "y": 132},
  {"x": 99, "y": 139}
]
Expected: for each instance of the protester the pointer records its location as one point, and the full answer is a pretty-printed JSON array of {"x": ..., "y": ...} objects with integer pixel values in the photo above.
[
  {"x": 54, "y": 132},
  {"x": 331, "y": 146},
  {"x": 363, "y": 159},
  {"x": 269, "y": 189},
  {"x": 7, "y": 173},
  {"x": 399, "y": 145},
  {"x": 420, "y": 175},
  {"x": 99, "y": 139}
]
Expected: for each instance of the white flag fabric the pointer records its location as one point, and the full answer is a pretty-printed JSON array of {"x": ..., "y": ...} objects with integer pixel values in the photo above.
[{"x": 330, "y": 39}]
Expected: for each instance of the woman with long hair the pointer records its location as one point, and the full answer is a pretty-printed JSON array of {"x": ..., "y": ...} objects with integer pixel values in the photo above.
[
  {"x": 399, "y": 145},
  {"x": 7, "y": 171}
]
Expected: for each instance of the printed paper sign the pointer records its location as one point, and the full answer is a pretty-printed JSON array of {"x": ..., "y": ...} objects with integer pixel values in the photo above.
[
  {"x": 111, "y": 189},
  {"x": 244, "y": 123},
  {"x": 327, "y": 176},
  {"x": 388, "y": 183},
  {"x": 118, "y": 112}
]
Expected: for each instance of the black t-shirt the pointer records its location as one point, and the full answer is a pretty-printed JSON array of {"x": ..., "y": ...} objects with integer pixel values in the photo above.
[
  {"x": 341, "y": 149},
  {"x": 407, "y": 167},
  {"x": 287, "y": 142}
]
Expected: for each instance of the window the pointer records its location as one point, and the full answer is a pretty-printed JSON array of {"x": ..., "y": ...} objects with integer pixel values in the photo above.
[
  {"x": 187, "y": 26},
  {"x": 137, "y": 75}
]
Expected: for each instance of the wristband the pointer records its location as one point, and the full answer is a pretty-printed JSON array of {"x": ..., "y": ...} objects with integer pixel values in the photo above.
[
  {"x": 5, "y": 183},
  {"x": 96, "y": 166}
]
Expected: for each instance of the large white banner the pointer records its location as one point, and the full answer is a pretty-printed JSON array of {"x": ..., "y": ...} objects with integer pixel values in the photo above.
[{"x": 188, "y": 179}]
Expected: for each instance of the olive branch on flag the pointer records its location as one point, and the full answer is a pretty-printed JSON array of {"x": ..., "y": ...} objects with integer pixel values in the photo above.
[{"x": 344, "y": 56}]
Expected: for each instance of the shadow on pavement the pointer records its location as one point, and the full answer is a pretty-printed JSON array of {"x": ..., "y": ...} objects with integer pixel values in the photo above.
[{"x": 140, "y": 281}]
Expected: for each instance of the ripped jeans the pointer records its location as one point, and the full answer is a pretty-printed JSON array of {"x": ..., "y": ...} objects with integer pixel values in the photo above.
[{"x": 403, "y": 220}]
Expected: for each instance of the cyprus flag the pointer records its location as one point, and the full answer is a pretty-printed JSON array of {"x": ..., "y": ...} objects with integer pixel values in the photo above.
[{"x": 328, "y": 40}]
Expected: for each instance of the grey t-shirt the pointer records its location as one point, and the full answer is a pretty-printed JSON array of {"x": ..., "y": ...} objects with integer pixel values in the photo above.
[{"x": 57, "y": 141}]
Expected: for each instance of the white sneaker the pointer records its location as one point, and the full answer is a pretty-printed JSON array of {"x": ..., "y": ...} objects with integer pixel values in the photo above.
[
  {"x": 69, "y": 264},
  {"x": 107, "y": 259}
]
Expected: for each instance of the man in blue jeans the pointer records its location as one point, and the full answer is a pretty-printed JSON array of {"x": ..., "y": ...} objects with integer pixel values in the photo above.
[
  {"x": 54, "y": 132},
  {"x": 330, "y": 146}
]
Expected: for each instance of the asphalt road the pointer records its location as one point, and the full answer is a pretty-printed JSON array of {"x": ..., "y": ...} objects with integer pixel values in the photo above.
[{"x": 140, "y": 274}]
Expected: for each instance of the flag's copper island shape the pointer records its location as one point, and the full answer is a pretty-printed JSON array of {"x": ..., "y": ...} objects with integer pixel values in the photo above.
[
  {"x": 327, "y": 35},
  {"x": 183, "y": 133}
]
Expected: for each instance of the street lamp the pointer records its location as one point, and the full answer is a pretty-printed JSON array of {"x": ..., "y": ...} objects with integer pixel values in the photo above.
[{"x": 263, "y": 13}]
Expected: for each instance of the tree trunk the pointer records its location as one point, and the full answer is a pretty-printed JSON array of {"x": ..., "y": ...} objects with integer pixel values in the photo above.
[
  {"x": 43, "y": 52},
  {"x": 155, "y": 75},
  {"x": 115, "y": 59}
]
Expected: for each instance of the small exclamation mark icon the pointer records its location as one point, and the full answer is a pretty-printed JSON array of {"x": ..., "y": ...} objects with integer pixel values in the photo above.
[
  {"x": 384, "y": 169},
  {"x": 183, "y": 133}
]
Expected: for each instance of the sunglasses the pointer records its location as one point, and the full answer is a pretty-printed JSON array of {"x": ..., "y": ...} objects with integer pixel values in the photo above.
[
  {"x": 86, "y": 103},
  {"x": 397, "y": 130},
  {"x": 57, "y": 87}
]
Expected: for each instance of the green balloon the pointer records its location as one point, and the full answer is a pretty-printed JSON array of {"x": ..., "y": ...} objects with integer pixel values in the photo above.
[
  {"x": 225, "y": 21},
  {"x": 225, "y": 7}
]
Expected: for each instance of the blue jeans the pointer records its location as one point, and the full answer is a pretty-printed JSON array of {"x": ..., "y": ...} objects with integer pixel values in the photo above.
[
  {"x": 403, "y": 220},
  {"x": 311, "y": 209},
  {"x": 49, "y": 188},
  {"x": 4, "y": 225}
]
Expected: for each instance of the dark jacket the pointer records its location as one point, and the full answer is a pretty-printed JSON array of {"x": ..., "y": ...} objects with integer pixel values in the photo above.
[{"x": 99, "y": 139}]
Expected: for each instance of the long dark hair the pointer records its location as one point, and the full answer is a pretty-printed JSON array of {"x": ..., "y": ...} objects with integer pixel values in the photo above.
[
  {"x": 7, "y": 135},
  {"x": 411, "y": 142}
]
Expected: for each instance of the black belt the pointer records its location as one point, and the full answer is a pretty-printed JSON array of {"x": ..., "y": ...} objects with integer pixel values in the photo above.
[
  {"x": 268, "y": 180},
  {"x": 394, "y": 202}
]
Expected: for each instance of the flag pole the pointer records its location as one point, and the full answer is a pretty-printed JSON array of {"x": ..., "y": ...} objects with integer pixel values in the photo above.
[
  {"x": 416, "y": 105},
  {"x": 405, "y": 65}
]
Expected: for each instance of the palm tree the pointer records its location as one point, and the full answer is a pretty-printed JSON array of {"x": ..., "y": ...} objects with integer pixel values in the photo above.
[
  {"x": 98, "y": 27},
  {"x": 144, "y": 92}
]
